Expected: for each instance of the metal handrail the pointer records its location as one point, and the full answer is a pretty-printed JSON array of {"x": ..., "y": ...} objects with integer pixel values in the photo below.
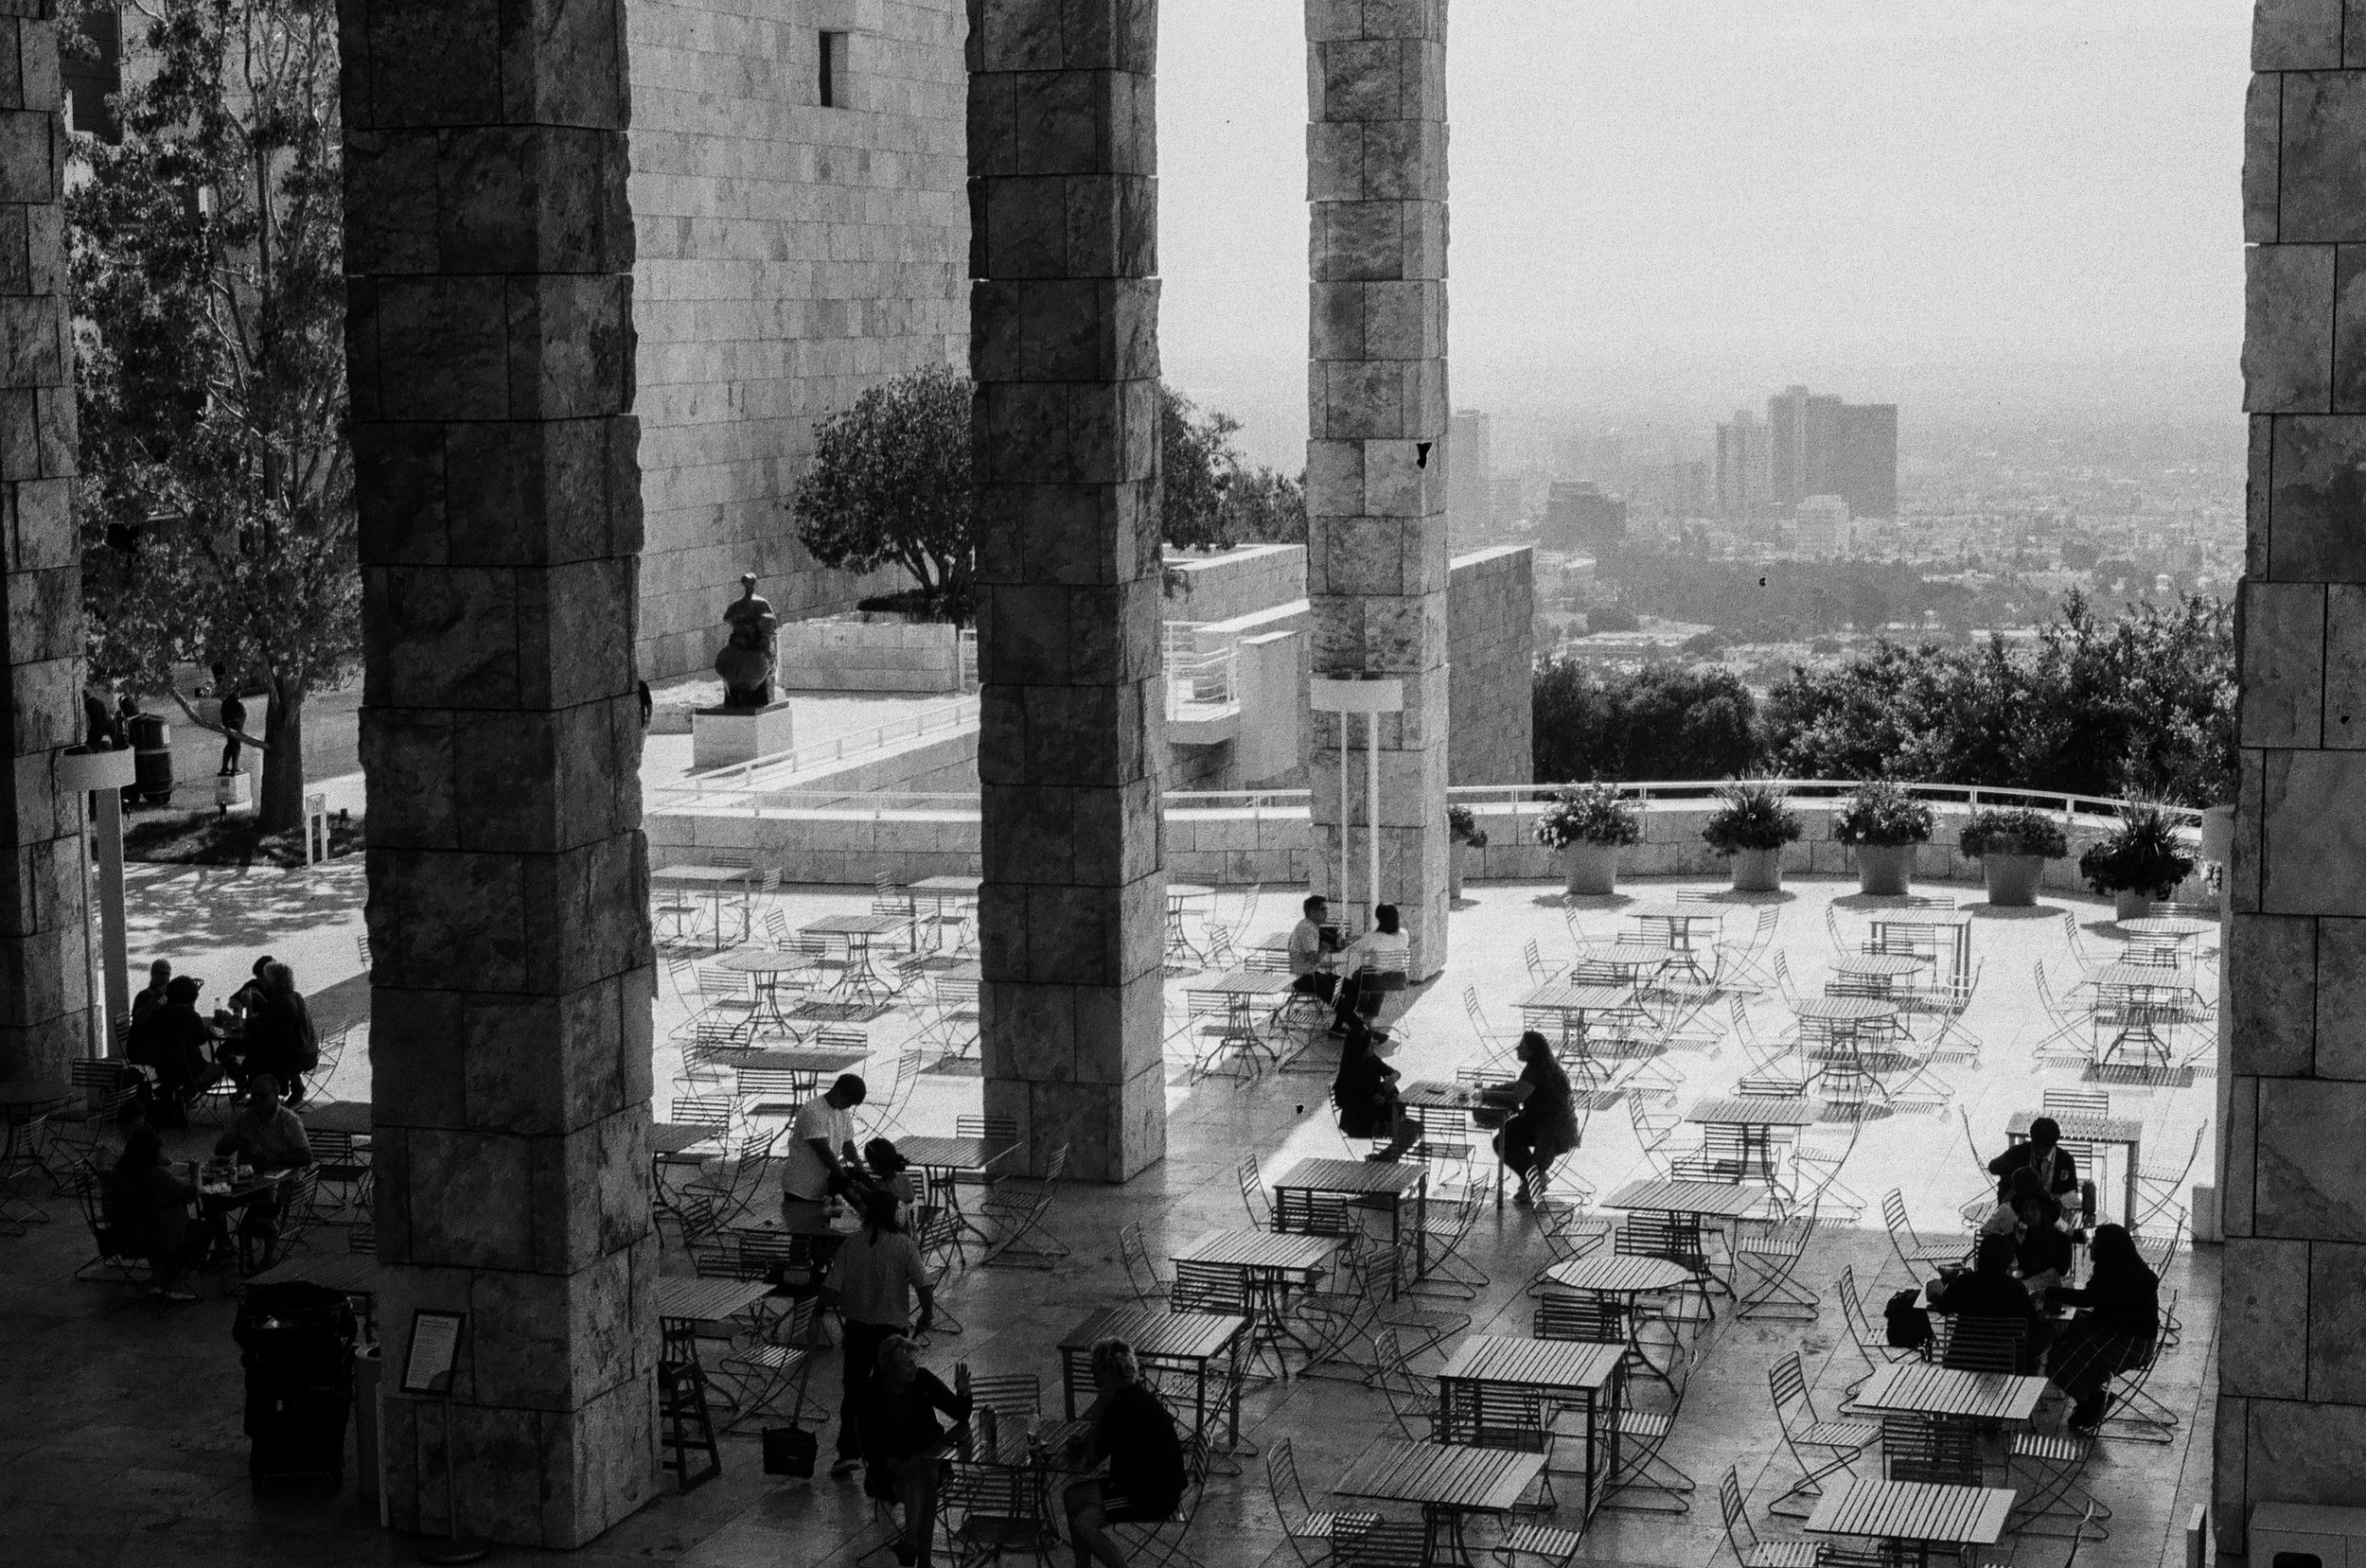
[
  {"x": 1975, "y": 796},
  {"x": 740, "y": 778}
]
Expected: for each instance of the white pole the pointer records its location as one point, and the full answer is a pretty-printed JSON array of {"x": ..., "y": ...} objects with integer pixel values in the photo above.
[
  {"x": 1371, "y": 806},
  {"x": 1345, "y": 732}
]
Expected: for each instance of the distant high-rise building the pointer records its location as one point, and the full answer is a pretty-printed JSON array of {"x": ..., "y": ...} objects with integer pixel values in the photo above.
[
  {"x": 1820, "y": 446},
  {"x": 1744, "y": 486},
  {"x": 1470, "y": 473},
  {"x": 1581, "y": 521},
  {"x": 1820, "y": 525}
]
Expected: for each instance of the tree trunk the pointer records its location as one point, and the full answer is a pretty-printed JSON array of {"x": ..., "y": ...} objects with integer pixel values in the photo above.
[{"x": 280, "y": 802}]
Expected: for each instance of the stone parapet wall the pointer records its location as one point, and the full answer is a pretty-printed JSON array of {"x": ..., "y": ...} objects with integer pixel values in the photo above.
[
  {"x": 1491, "y": 634},
  {"x": 852, "y": 654},
  {"x": 1237, "y": 582}
]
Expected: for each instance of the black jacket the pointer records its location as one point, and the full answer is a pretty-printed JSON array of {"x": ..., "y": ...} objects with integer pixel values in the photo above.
[{"x": 2020, "y": 1155}]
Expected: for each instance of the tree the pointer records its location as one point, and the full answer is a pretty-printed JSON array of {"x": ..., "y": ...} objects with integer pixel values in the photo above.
[
  {"x": 1211, "y": 498},
  {"x": 890, "y": 483},
  {"x": 1661, "y": 722},
  {"x": 206, "y": 272}
]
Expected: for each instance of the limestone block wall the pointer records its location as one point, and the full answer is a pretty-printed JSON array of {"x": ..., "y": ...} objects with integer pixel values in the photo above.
[
  {"x": 790, "y": 255},
  {"x": 1234, "y": 583},
  {"x": 2292, "y": 1337},
  {"x": 852, "y": 654},
  {"x": 1491, "y": 632}
]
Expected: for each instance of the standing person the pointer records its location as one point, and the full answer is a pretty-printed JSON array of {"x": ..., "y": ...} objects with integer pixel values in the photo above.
[
  {"x": 1543, "y": 1122},
  {"x": 900, "y": 1436},
  {"x": 2057, "y": 1174},
  {"x": 1311, "y": 947},
  {"x": 821, "y": 1157},
  {"x": 871, "y": 1282},
  {"x": 153, "y": 996},
  {"x": 1364, "y": 1090},
  {"x": 234, "y": 720},
  {"x": 170, "y": 1041},
  {"x": 268, "y": 1137},
  {"x": 2117, "y": 1330},
  {"x": 146, "y": 1208},
  {"x": 1128, "y": 1427}
]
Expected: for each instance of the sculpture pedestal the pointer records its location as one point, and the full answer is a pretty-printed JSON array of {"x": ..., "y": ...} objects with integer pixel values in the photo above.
[{"x": 720, "y": 737}]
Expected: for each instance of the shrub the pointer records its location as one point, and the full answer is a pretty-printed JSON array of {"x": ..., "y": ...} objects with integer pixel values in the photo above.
[
  {"x": 1882, "y": 813},
  {"x": 1590, "y": 813},
  {"x": 2020, "y": 831},
  {"x": 2141, "y": 856},
  {"x": 1464, "y": 827},
  {"x": 1754, "y": 815}
]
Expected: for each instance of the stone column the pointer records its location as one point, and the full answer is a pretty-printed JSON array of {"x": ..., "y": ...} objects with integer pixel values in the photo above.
[
  {"x": 2292, "y": 1324},
  {"x": 1375, "y": 455},
  {"x": 45, "y": 975},
  {"x": 1063, "y": 345},
  {"x": 489, "y": 347}
]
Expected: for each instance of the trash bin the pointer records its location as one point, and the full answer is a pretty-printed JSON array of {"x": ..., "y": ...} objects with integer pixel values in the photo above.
[
  {"x": 297, "y": 1340},
  {"x": 151, "y": 747},
  {"x": 368, "y": 1366}
]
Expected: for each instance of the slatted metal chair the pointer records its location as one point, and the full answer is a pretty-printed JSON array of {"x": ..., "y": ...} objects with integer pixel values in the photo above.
[
  {"x": 108, "y": 1258},
  {"x": 2048, "y": 1472},
  {"x": 1677, "y": 1238},
  {"x": 1868, "y": 1334},
  {"x": 1021, "y": 1207},
  {"x": 1916, "y": 1255},
  {"x": 1445, "y": 1227},
  {"x": 732, "y": 1183},
  {"x": 1412, "y": 1402},
  {"x": 1494, "y": 1415},
  {"x": 1751, "y": 1550},
  {"x": 1931, "y": 1449},
  {"x": 1422, "y": 1328},
  {"x": 1309, "y": 1531},
  {"x": 1571, "y": 1231},
  {"x": 954, "y": 1027},
  {"x": 1251, "y": 1179},
  {"x": 1820, "y": 1449},
  {"x": 1646, "y": 1479},
  {"x": 885, "y": 1114},
  {"x": 1768, "y": 1255},
  {"x": 1141, "y": 1273},
  {"x": 2134, "y": 1414},
  {"x": 1546, "y": 1543},
  {"x": 1382, "y": 1543},
  {"x": 1986, "y": 1344},
  {"x": 2157, "y": 1183},
  {"x": 763, "y": 1368},
  {"x": 767, "y": 1091},
  {"x": 2065, "y": 1038}
]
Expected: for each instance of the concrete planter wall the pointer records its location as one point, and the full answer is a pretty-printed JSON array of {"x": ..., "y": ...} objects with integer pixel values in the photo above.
[
  {"x": 1884, "y": 869},
  {"x": 1590, "y": 867},
  {"x": 851, "y": 654}
]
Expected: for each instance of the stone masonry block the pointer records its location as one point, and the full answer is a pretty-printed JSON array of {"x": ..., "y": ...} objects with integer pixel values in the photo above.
[
  {"x": 2315, "y": 852},
  {"x": 2349, "y": 330},
  {"x": 2321, "y": 173},
  {"x": 2272, "y": 973},
  {"x": 2336, "y": 1336},
  {"x": 2311, "y": 1163},
  {"x": 2296, "y": 35},
  {"x": 2258, "y": 487},
  {"x": 2316, "y": 493},
  {"x": 2341, "y": 999},
  {"x": 542, "y": 1478},
  {"x": 2345, "y": 665},
  {"x": 2239, "y": 1200},
  {"x": 2288, "y": 338},
  {"x": 2305, "y": 1453},
  {"x": 2283, "y": 663},
  {"x": 2264, "y": 1313}
]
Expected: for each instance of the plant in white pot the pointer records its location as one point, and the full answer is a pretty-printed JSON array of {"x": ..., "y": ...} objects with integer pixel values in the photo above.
[
  {"x": 2140, "y": 862},
  {"x": 1752, "y": 823},
  {"x": 1463, "y": 830},
  {"x": 2012, "y": 847},
  {"x": 1883, "y": 824},
  {"x": 1588, "y": 825}
]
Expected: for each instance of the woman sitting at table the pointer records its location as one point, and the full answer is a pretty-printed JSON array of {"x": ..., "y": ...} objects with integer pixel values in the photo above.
[
  {"x": 1380, "y": 957},
  {"x": 1543, "y": 1121},
  {"x": 1365, "y": 1088},
  {"x": 280, "y": 1039},
  {"x": 171, "y": 1043},
  {"x": 147, "y": 1210},
  {"x": 902, "y": 1442},
  {"x": 2032, "y": 1220},
  {"x": 1129, "y": 1428},
  {"x": 2115, "y": 1333},
  {"x": 1990, "y": 1291},
  {"x": 266, "y": 1135}
]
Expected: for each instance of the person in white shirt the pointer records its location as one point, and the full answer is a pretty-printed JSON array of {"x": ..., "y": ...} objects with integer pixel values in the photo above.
[
  {"x": 1384, "y": 950},
  {"x": 871, "y": 1282},
  {"x": 822, "y": 1157},
  {"x": 1310, "y": 951}
]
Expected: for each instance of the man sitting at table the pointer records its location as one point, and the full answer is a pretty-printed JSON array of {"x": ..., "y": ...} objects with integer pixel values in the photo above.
[
  {"x": 821, "y": 1157},
  {"x": 266, "y": 1135},
  {"x": 2041, "y": 1249},
  {"x": 1990, "y": 1291},
  {"x": 1311, "y": 947},
  {"x": 2043, "y": 1154},
  {"x": 1128, "y": 1427},
  {"x": 170, "y": 1041},
  {"x": 901, "y": 1439}
]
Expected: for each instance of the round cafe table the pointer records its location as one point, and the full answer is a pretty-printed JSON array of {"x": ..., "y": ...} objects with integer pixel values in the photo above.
[{"x": 764, "y": 966}]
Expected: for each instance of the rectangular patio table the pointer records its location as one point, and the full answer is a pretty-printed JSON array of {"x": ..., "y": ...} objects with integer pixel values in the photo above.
[
  {"x": 1245, "y": 988},
  {"x": 1926, "y": 1388},
  {"x": 1557, "y": 1371},
  {"x": 1754, "y": 1118},
  {"x": 860, "y": 978},
  {"x": 942, "y": 1162},
  {"x": 1447, "y": 1483},
  {"x": 939, "y": 891},
  {"x": 1276, "y": 1263},
  {"x": 809, "y": 1064},
  {"x": 2126, "y": 1132},
  {"x": 1953, "y": 926},
  {"x": 1699, "y": 1200},
  {"x": 1193, "y": 1344},
  {"x": 1382, "y": 1181},
  {"x": 1580, "y": 1009},
  {"x": 1924, "y": 1513},
  {"x": 713, "y": 883},
  {"x": 1675, "y": 918}
]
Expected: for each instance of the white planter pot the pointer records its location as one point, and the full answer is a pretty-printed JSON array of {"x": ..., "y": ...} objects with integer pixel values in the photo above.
[
  {"x": 1884, "y": 869},
  {"x": 1592, "y": 869},
  {"x": 1456, "y": 854},
  {"x": 1757, "y": 870},
  {"x": 2012, "y": 879}
]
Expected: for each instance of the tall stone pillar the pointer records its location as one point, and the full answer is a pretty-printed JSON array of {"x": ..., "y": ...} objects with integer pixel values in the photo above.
[
  {"x": 2292, "y": 1322},
  {"x": 1064, "y": 345},
  {"x": 45, "y": 975},
  {"x": 1376, "y": 454},
  {"x": 489, "y": 345}
]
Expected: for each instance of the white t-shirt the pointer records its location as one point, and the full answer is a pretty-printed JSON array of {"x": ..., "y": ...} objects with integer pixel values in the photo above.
[
  {"x": 1387, "y": 951},
  {"x": 802, "y": 1174},
  {"x": 1306, "y": 948}
]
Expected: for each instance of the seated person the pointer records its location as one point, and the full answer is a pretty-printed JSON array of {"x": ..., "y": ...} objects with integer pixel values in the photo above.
[
  {"x": 147, "y": 1210},
  {"x": 1380, "y": 956},
  {"x": 2114, "y": 1334},
  {"x": 2041, "y": 1249},
  {"x": 1311, "y": 947},
  {"x": 1543, "y": 1125},
  {"x": 2043, "y": 1154},
  {"x": 280, "y": 1039},
  {"x": 891, "y": 1172},
  {"x": 1364, "y": 1091},
  {"x": 1990, "y": 1291},
  {"x": 152, "y": 997},
  {"x": 108, "y": 1142},
  {"x": 171, "y": 1043},
  {"x": 900, "y": 1438},
  {"x": 242, "y": 1005},
  {"x": 266, "y": 1135},
  {"x": 1129, "y": 1428}
]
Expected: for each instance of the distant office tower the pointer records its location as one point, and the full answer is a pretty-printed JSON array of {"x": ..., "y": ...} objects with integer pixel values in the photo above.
[
  {"x": 1687, "y": 489},
  {"x": 1470, "y": 473},
  {"x": 1819, "y": 445},
  {"x": 1744, "y": 488},
  {"x": 1581, "y": 521},
  {"x": 1820, "y": 525}
]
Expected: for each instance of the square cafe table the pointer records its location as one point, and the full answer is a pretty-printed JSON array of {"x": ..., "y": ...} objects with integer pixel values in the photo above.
[
  {"x": 1446, "y": 1482},
  {"x": 1699, "y": 1201},
  {"x": 1753, "y": 1119},
  {"x": 1676, "y": 919},
  {"x": 1193, "y": 1344},
  {"x": 1913, "y": 924},
  {"x": 807, "y": 1066},
  {"x": 1921, "y": 1513},
  {"x": 2126, "y": 1132},
  {"x": 713, "y": 883},
  {"x": 861, "y": 978},
  {"x": 1581, "y": 1008},
  {"x": 684, "y": 1302},
  {"x": 351, "y": 1117},
  {"x": 1385, "y": 1181},
  {"x": 1245, "y": 988},
  {"x": 1557, "y": 1372},
  {"x": 1276, "y": 1263},
  {"x": 942, "y": 1162},
  {"x": 1926, "y": 1388}
]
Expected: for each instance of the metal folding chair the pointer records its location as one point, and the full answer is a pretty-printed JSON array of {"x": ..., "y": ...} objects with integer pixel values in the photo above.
[
  {"x": 1917, "y": 1255},
  {"x": 1751, "y": 1550},
  {"x": 1021, "y": 1206},
  {"x": 1820, "y": 1448}
]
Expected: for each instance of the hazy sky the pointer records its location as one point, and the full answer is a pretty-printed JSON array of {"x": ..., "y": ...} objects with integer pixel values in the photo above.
[{"x": 1688, "y": 201}]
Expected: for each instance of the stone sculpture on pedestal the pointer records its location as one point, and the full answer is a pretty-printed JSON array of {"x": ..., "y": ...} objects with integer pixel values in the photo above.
[{"x": 747, "y": 661}]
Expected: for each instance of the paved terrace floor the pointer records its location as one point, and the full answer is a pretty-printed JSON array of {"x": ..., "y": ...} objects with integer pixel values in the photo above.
[{"x": 126, "y": 1447}]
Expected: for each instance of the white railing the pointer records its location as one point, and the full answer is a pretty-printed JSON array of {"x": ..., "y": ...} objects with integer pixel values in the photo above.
[
  {"x": 1201, "y": 680},
  {"x": 729, "y": 787},
  {"x": 1676, "y": 791}
]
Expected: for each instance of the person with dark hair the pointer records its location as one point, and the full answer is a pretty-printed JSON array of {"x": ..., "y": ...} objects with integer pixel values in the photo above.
[
  {"x": 1128, "y": 1427},
  {"x": 871, "y": 1282},
  {"x": 2057, "y": 1174},
  {"x": 266, "y": 1135},
  {"x": 1543, "y": 1125},
  {"x": 151, "y": 997},
  {"x": 1364, "y": 1090},
  {"x": 1990, "y": 1291},
  {"x": 233, "y": 719},
  {"x": 821, "y": 1159},
  {"x": 1311, "y": 947},
  {"x": 2115, "y": 1333},
  {"x": 889, "y": 1170},
  {"x": 2041, "y": 1249},
  {"x": 280, "y": 1039},
  {"x": 1378, "y": 958},
  {"x": 171, "y": 1043},
  {"x": 901, "y": 1438},
  {"x": 147, "y": 1210}
]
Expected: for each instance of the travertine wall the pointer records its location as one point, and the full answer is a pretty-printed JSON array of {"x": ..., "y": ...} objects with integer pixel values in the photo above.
[
  {"x": 2292, "y": 1320},
  {"x": 44, "y": 982},
  {"x": 1491, "y": 626},
  {"x": 790, "y": 257},
  {"x": 489, "y": 348},
  {"x": 1237, "y": 582},
  {"x": 1375, "y": 455}
]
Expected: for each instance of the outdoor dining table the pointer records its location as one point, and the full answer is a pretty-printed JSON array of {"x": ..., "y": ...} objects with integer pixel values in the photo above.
[
  {"x": 1842, "y": 1022},
  {"x": 1922, "y": 1514},
  {"x": 2169, "y": 934},
  {"x": 1195, "y": 1344},
  {"x": 218, "y": 1199},
  {"x": 1700, "y": 1204},
  {"x": 1753, "y": 1119},
  {"x": 764, "y": 966},
  {"x": 1002, "y": 1490},
  {"x": 1583, "y": 1009},
  {"x": 672, "y": 1143},
  {"x": 1871, "y": 973},
  {"x": 1926, "y": 1388},
  {"x": 942, "y": 1162},
  {"x": 939, "y": 891},
  {"x": 1915, "y": 926},
  {"x": 685, "y": 1301},
  {"x": 1623, "y": 963},
  {"x": 808, "y": 1065},
  {"x": 1384, "y": 1181},
  {"x": 1447, "y": 1482},
  {"x": 2140, "y": 1004},
  {"x": 713, "y": 883},
  {"x": 2121, "y": 1132},
  {"x": 1276, "y": 1263},
  {"x": 1243, "y": 988},
  {"x": 1180, "y": 948},
  {"x": 861, "y": 978},
  {"x": 1624, "y": 1278},
  {"x": 1556, "y": 1372},
  {"x": 1675, "y": 918}
]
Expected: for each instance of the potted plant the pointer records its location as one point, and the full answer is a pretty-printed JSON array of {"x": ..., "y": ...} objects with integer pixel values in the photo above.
[
  {"x": 1588, "y": 824},
  {"x": 1883, "y": 824},
  {"x": 1752, "y": 823},
  {"x": 2140, "y": 862},
  {"x": 1463, "y": 829},
  {"x": 2012, "y": 847}
]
